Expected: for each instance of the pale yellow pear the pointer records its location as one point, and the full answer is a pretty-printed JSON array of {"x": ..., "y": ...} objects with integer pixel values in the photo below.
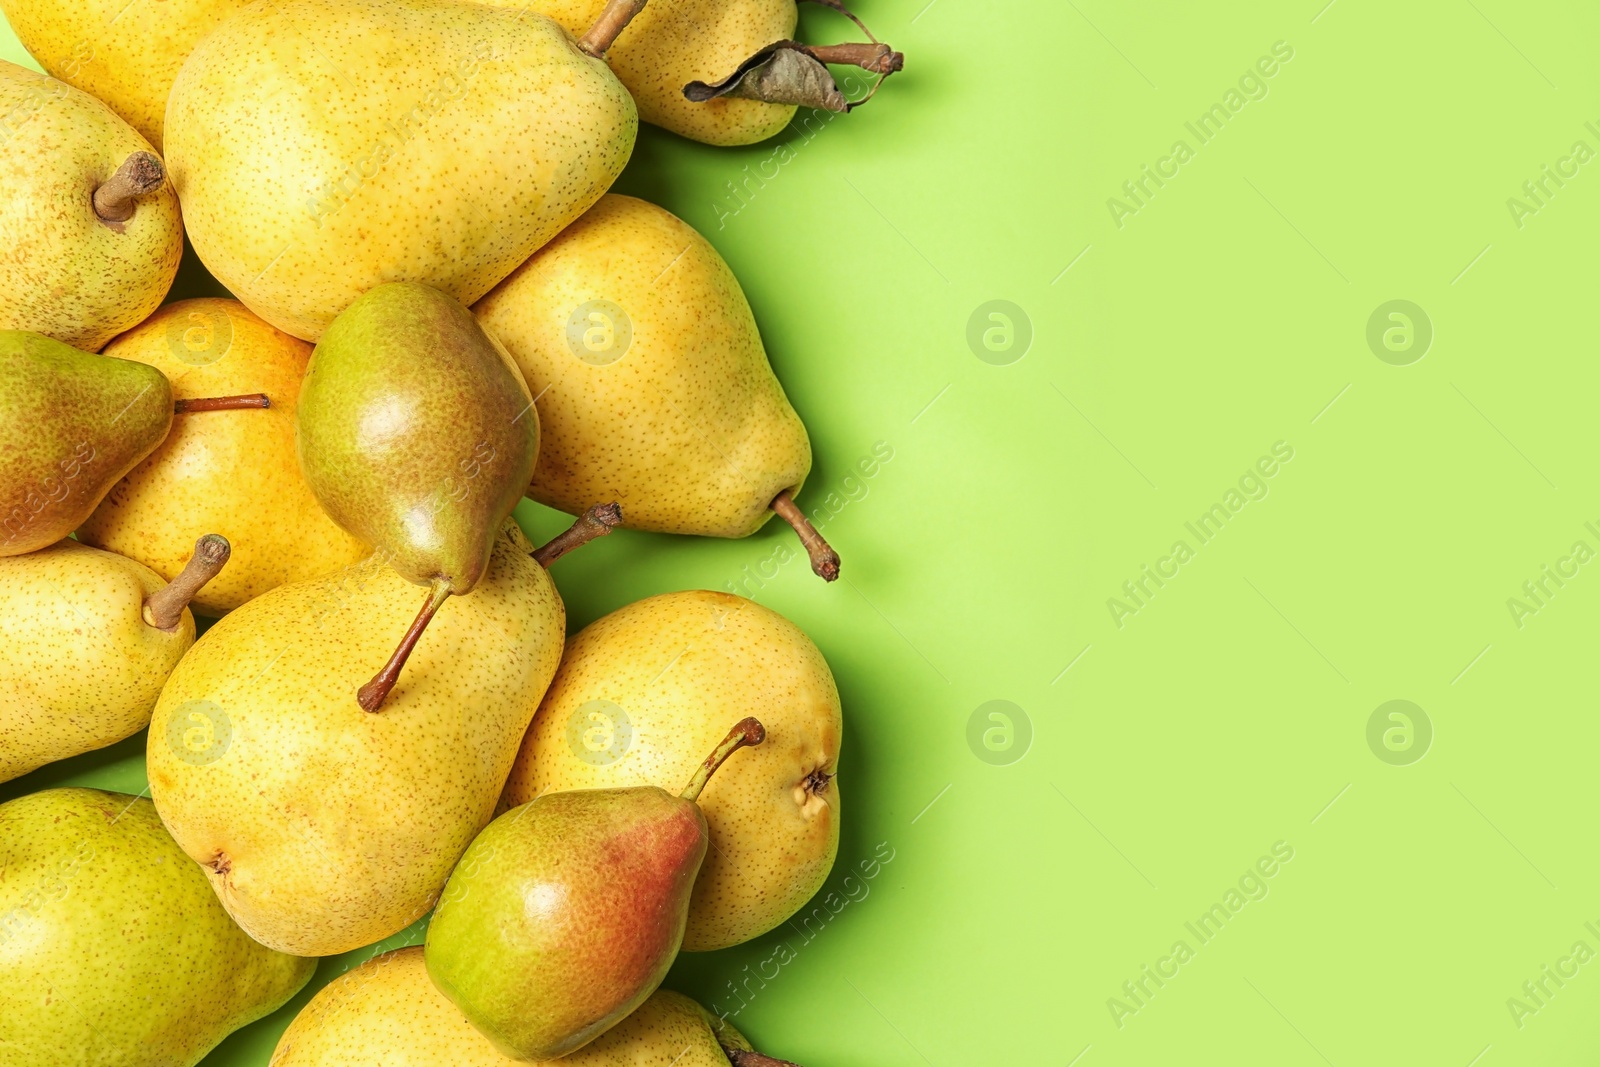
[
  {"x": 653, "y": 387},
  {"x": 234, "y": 472},
  {"x": 67, "y": 272},
  {"x": 645, "y": 692},
  {"x": 388, "y": 1013},
  {"x": 674, "y": 42},
  {"x": 81, "y": 663},
  {"x": 322, "y": 147},
  {"x": 124, "y": 53},
  {"x": 323, "y": 827}
]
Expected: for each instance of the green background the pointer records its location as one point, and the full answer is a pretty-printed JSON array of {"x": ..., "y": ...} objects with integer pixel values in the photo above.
[{"x": 1170, "y": 349}]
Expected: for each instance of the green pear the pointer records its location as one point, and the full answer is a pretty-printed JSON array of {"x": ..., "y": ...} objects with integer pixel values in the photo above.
[
  {"x": 113, "y": 952},
  {"x": 654, "y": 387},
  {"x": 417, "y": 434},
  {"x": 322, "y": 147},
  {"x": 87, "y": 639},
  {"x": 643, "y": 692},
  {"x": 71, "y": 424},
  {"x": 566, "y": 913},
  {"x": 89, "y": 224},
  {"x": 322, "y": 827},
  {"x": 388, "y": 1013}
]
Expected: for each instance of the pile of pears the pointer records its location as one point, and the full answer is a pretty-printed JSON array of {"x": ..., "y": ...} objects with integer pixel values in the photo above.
[{"x": 437, "y": 309}]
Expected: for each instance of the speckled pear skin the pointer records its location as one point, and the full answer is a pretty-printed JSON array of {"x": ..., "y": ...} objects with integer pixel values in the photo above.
[
  {"x": 128, "y": 62},
  {"x": 321, "y": 147},
  {"x": 323, "y": 827},
  {"x": 689, "y": 430},
  {"x": 65, "y": 273},
  {"x": 115, "y": 954},
  {"x": 416, "y": 432},
  {"x": 71, "y": 424},
  {"x": 565, "y": 914},
  {"x": 674, "y": 42},
  {"x": 80, "y": 669},
  {"x": 234, "y": 473},
  {"x": 388, "y": 1013},
  {"x": 682, "y": 666}
]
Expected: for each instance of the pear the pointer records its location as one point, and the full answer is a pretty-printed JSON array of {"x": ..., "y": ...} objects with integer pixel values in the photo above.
[
  {"x": 238, "y": 475},
  {"x": 113, "y": 953},
  {"x": 128, "y": 62},
  {"x": 87, "y": 639},
  {"x": 566, "y": 912},
  {"x": 654, "y": 388},
  {"x": 417, "y": 434},
  {"x": 644, "y": 691},
  {"x": 388, "y": 1013},
  {"x": 322, "y": 827},
  {"x": 322, "y": 147},
  {"x": 71, "y": 424},
  {"x": 89, "y": 225}
]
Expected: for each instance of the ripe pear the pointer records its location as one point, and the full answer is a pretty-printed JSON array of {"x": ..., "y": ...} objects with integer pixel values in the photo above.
[
  {"x": 322, "y": 147},
  {"x": 322, "y": 827},
  {"x": 236, "y": 474},
  {"x": 89, "y": 224},
  {"x": 87, "y": 639},
  {"x": 566, "y": 913},
  {"x": 417, "y": 434},
  {"x": 654, "y": 388},
  {"x": 642, "y": 692},
  {"x": 71, "y": 424},
  {"x": 113, "y": 953},
  {"x": 128, "y": 62},
  {"x": 388, "y": 1013}
]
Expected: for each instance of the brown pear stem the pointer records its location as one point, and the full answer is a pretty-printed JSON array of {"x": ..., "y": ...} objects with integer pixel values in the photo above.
[
  {"x": 163, "y": 609},
  {"x": 372, "y": 695},
  {"x": 596, "y": 522},
  {"x": 114, "y": 201},
  {"x": 875, "y": 58},
  {"x": 612, "y": 21},
  {"x": 221, "y": 403},
  {"x": 747, "y": 731},
  {"x": 824, "y": 560},
  {"x": 739, "y": 1057}
]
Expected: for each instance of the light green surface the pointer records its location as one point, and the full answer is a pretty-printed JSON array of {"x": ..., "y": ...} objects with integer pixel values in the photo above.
[{"x": 1231, "y": 711}]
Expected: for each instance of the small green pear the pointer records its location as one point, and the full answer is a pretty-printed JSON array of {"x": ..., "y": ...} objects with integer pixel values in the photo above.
[
  {"x": 113, "y": 951},
  {"x": 418, "y": 435},
  {"x": 71, "y": 424},
  {"x": 566, "y": 913},
  {"x": 87, "y": 640}
]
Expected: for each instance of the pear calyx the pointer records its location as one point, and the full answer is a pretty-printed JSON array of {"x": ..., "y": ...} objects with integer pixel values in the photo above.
[
  {"x": 221, "y": 403},
  {"x": 114, "y": 201},
  {"x": 747, "y": 731},
  {"x": 596, "y": 522},
  {"x": 612, "y": 21},
  {"x": 824, "y": 560},
  {"x": 163, "y": 609},
  {"x": 372, "y": 695}
]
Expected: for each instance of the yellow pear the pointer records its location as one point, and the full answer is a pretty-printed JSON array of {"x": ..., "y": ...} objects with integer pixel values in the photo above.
[
  {"x": 235, "y": 472},
  {"x": 388, "y": 1013},
  {"x": 653, "y": 387},
  {"x": 322, "y": 147},
  {"x": 645, "y": 692},
  {"x": 323, "y": 827},
  {"x": 123, "y": 53},
  {"x": 87, "y": 639},
  {"x": 89, "y": 224}
]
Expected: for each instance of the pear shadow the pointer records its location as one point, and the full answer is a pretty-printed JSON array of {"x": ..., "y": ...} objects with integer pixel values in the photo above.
[
  {"x": 193, "y": 279},
  {"x": 118, "y": 768}
]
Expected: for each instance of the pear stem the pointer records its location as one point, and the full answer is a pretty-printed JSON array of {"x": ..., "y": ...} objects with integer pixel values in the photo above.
[
  {"x": 747, "y": 731},
  {"x": 114, "y": 201},
  {"x": 163, "y": 609},
  {"x": 221, "y": 403},
  {"x": 739, "y": 1057},
  {"x": 824, "y": 560},
  {"x": 596, "y": 522},
  {"x": 875, "y": 58},
  {"x": 372, "y": 695},
  {"x": 612, "y": 21}
]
